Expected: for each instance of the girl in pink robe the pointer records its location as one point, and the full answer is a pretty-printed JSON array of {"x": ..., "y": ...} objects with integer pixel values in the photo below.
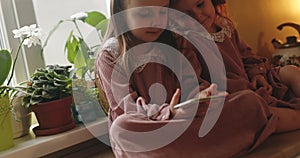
[
  {"x": 279, "y": 87},
  {"x": 142, "y": 91}
]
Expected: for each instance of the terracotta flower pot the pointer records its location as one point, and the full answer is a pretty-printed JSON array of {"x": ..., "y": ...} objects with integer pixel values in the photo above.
[{"x": 53, "y": 117}]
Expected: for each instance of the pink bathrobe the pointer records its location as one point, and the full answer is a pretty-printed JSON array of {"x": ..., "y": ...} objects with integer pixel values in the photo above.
[
  {"x": 244, "y": 123},
  {"x": 242, "y": 64}
]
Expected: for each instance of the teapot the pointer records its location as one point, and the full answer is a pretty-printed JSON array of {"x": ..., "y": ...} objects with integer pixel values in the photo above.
[{"x": 287, "y": 53}]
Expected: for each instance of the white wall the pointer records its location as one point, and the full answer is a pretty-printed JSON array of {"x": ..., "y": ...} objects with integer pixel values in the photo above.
[{"x": 49, "y": 12}]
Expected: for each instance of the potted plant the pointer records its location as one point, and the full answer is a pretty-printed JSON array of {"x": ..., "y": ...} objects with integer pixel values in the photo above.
[
  {"x": 82, "y": 56},
  {"x": 6, "y": 133},
  {"x": 79, "y": 53},
  {"x": 50, "y": 98},
  {"x": 86, "y": 99},
  {"x": 29, "y": 36},
  {"x": 5, "y": 126}
]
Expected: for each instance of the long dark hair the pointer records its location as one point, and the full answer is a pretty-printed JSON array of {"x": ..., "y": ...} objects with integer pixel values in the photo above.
[
  {"x": 215, "y": 2},
  {"x": 218, "y": 2}
]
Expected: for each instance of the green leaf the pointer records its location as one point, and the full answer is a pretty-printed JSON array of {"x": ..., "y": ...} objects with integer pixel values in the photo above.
[
  {"x": 82, "y": 71},
  {"x": 102, "y": 26},
  {"x": 49, "y": 77},
  {"x": 48, "y": 95},
  {"x": 84, "y": 48},
  {"x": 38, "y": 73},
  {"x": 5, "y": 65},
  {"x": 94, "y": 18},
  {"x": 37, "y": 93},
  {"x": 79, "y": 72},
  {"x": 71, "y": 48},
  {"x": 26, "y": 101},
  {"x": 82, "y": 56},
  {"x": 91, "y": 63},
  {"x": 35, "y": 100},
  {"x": 79, "y": 60},
  {"x": 50, "y": 87}
]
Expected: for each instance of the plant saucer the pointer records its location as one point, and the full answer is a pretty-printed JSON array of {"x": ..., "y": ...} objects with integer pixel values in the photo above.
[{"x": 45, "y": 132}]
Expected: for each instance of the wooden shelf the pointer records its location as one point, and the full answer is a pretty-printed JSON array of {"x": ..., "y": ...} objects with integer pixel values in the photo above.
[{"x": 32, "y": 146}]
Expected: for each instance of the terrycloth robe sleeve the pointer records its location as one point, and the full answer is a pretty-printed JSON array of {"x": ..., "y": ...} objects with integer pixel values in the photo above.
[{"x": 120, "y": 93}]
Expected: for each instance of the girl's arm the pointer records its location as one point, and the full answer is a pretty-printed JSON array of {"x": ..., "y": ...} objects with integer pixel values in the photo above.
[
  {"x": 121, "y": 96},
  {"x": 254, "y": 65}
]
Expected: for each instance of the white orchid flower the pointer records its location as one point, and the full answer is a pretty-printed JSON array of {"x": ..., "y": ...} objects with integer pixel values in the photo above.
[
  {"x": 24, "y": 31},
  {"x": 79, "y": 16},
  {"x": 32, "y": 40},
  {"x": 31, "y": 33}
]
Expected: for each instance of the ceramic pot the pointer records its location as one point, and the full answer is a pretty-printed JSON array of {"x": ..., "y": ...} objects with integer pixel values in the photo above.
[
  {"x": 6, "y": 132},
  {"x": 53, "y": 117},
  {"x": 21, "y": 118}
]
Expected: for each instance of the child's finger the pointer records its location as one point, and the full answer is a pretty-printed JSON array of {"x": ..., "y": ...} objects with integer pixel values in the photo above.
[
  {"x": 175, "y": 100},
  {"x": 176, "y": 97}
]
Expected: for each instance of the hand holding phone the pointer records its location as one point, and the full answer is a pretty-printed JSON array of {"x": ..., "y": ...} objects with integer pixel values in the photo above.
[{"x": 200, "y": 100}]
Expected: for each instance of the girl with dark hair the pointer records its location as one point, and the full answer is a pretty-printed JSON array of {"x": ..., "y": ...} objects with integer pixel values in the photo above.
[
  {"x": 278, "y": 87},
  {"x": 221, "y": 7},
  {"x": 143, "y": 120}
]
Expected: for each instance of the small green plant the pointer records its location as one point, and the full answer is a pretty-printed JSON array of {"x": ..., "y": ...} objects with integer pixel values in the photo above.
[
  {"x": 79, "y": 53},
  {"x": 48, "y": 84}
]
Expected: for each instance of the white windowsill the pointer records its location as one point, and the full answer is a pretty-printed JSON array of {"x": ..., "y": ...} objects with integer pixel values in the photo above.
[{"x": 31, "y": 146}]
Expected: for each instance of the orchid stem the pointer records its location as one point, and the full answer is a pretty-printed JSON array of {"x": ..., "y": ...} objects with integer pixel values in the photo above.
[{"x": 15, "y": 61}]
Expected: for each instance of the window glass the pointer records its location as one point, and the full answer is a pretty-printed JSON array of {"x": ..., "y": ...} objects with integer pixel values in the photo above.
[{"x": 46, "y": 14}]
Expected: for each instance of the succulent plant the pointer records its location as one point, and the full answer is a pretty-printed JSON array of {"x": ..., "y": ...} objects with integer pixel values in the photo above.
[{"x": 48, "y": 84}]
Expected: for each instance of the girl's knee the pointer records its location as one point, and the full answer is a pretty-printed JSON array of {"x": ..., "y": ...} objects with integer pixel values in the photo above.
[
  {"x": 125, "y": 122},
  {"x": 247, "y": 101},
  {"x": 119, "y": 127},
  {"x": 244, "y": 95},
  {"x": 289, "y": 74}
]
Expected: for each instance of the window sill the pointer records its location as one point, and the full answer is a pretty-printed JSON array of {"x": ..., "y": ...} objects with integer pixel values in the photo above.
[{"x": 32, "y": 146}]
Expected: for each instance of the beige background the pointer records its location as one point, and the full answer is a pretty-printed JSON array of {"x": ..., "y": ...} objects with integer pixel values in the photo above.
[{"x": 256, "y": 21}]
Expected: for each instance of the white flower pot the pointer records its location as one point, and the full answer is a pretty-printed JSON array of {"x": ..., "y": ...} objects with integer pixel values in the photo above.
[{"x": 21, "y": 118}]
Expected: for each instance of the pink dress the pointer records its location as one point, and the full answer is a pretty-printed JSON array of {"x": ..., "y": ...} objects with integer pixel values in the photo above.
[
  {"x": 147, "y": 129},
  {"x": 241, "y": 64}
]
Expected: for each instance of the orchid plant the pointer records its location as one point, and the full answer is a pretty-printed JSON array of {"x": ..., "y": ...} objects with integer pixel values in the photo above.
[
  {"x": 30, "y": 35},
  {"x": 78, "y": 52}
]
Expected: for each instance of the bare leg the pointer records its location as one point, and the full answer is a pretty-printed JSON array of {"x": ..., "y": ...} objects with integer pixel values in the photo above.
[
  {"x": 289, "y": 119},
  {"x": 290, "y": 75}
]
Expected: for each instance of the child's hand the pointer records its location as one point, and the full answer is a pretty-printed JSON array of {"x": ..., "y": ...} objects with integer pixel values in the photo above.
[
  {"x": 260, "y": 81},
  {"x": 174, "y": 101},
  {"x": 210, "y": 91},
  {"x": 179, "y": 113}
]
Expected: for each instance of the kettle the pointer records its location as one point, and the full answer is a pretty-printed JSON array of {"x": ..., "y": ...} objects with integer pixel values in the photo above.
[{"x": 287, "y": 53}]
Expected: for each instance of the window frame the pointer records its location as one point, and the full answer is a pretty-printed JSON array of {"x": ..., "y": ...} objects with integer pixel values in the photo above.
[{"x": 15, "y": 14}]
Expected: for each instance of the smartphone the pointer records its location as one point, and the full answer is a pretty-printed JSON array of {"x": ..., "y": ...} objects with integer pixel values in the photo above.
[{"x": 199, "y": 100}]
